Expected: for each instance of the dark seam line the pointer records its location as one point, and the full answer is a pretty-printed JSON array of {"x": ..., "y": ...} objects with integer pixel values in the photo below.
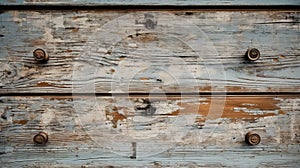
[
  {"x": 43, "y": 7},
  {"x": 155, "y": 94}
]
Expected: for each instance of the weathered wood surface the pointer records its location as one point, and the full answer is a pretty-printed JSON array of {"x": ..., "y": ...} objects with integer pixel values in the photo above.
[
  {"x": 154, "y": 2},
  {"x": 118, "y": 51},
  {"x": 187, "y": 51},
  {"x": 168, "y": 131}
]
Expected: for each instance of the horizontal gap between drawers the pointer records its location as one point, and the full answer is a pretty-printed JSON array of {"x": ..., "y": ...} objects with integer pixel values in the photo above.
[
  {"x": 43, "y": 7},
  {"x": 156, "y": 94}
]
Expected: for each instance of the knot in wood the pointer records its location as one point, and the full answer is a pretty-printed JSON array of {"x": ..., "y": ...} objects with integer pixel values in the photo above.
[{"x": 8, "y": 73}]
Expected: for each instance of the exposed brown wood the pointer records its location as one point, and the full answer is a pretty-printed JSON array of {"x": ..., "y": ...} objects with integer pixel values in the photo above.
[
  {"x": 165, "y": 86},
  {"x": 99, "y": 130},
  {"x": 171, "y": 63}
]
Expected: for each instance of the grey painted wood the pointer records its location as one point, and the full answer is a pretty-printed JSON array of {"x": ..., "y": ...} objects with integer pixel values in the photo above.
[
  {"x": 199, "y": 158},
  {"x": 113, "y": 51},
  {"x": 155, "y": 2},
  {"x": 116, "y": 51},
  {"x": 98, "y": 131}
]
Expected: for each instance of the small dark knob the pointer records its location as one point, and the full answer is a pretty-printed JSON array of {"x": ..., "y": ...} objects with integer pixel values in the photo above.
[
  {"x": 40, "y": 138},
  {"x": 252, "y": 138},
  {"x": 252, "y": 54},
  {"x": 40, "y": 55}
]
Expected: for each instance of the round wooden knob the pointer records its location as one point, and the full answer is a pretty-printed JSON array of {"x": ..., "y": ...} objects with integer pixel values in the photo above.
[
  {"x": 40, "y": 55},
  {"x": 252, "y": 138},
  {"x": 252, "y": 54},
  {"x": 40, "y": 138}
]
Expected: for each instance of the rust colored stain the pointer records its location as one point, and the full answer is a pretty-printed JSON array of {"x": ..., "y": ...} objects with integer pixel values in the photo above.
[
  {"x": 115, "y": 116},
  {"x": 208, "y": 88},
  {"x": 142, "y": 78},
  {"x": 236, "y": 89},
  {"x": 236, "y": 108},
  {"x": 205, "y": 88},
  {"x": 43, "y": 84},
  {"x": 22, "y": 122},
  {"x": 75, "y": 17},
  {"x": 227, "y": 88},
  {"x": 46, "y": 84},
  {"x": 68, "y": 51},
  {"x": 175, "y": 113},
  {"x": 281, "y": 112}
]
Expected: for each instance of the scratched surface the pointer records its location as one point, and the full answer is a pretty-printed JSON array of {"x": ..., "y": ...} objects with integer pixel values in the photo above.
[
  {"x": 158, "y": 57},
  {"x": 178, "y": 131},
  {"x": 116, "y": 51}
]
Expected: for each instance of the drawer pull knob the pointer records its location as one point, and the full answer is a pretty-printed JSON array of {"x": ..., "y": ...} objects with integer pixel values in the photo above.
[
  {"x": 40, "y": 55},
  {"x": 252, "y": 54},
  {"x": 252, "y": 138},
  {"x": 40, "y": 138}
]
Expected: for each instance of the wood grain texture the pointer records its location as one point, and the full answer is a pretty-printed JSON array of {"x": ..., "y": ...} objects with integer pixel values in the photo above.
[
  {"x": 114, "y": 51},
  {"x": 153, "y": 2},
  {"x": 153, "y": 56},
  {"x": 168, "y": 131}
]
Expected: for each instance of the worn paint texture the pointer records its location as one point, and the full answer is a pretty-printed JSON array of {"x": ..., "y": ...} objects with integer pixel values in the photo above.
[
  {"x": 99, "y": 134},
  {"x": 196, "y": 52},
  {"x": 163, "y": 88}
]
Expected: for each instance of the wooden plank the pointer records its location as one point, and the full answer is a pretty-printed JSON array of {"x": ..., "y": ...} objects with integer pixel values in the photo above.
[
  {"x": 113, "y": 51},
  {"x": 153, "y": 2},
  {"x": 182, "y": 131},
  {"x": 201, "y": 158}
]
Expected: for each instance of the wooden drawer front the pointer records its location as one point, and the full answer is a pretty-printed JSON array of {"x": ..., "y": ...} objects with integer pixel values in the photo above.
[
  {"x": 195, "y": 52},
  {"x": 157, "y": 87},
  {"x": 83, "y": 130}
]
